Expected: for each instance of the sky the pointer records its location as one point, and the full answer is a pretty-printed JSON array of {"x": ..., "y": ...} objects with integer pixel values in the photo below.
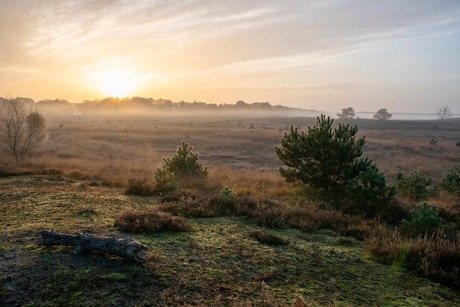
[{"x": 403, "y": 55}]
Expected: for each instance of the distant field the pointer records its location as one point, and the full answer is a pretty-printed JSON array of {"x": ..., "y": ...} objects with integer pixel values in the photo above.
[{"x": 115, "y": 148}]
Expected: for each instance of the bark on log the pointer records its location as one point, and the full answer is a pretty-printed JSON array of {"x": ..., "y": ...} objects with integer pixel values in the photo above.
[{"x": 125, "y": 248}]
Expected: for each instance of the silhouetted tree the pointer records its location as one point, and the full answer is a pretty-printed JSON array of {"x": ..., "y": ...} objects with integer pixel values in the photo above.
[
  {"x": 382, "y": 114},
  {"x": 347, "y": 113},
  {"x": 442, "y": 113},
  {"x": 21, "y": 132}
]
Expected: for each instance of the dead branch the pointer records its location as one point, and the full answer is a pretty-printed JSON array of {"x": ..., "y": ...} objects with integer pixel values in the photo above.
[{"x": 125, "y": 248}]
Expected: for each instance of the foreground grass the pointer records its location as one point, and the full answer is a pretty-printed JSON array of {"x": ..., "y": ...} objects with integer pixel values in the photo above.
[{"x": 218, "y": 263}]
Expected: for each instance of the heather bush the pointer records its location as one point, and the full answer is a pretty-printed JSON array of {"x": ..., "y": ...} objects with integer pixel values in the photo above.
[
  {"x": 264, "y": 212},
  {"x": 416, "y": 186},
  {"x": 148, "y": 221},
  {"x": 140, "y": 186},
  {"x": 190, "y": 207},
  {"x": 310, "y": 217}
]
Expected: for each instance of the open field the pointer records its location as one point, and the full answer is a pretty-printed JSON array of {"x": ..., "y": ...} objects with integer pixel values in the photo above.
[
  {"x": 115, "y": 148},
  {"x": 78, "y": 184}
]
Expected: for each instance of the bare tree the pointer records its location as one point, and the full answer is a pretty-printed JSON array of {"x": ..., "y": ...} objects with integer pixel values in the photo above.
[
  {"x": 442, "y": 113},
  {"x": 22, "y": 132}
]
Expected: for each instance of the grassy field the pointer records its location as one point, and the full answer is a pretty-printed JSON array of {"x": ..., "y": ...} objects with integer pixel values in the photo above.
[
  {"x": 113, "y": 148},
  {"x": 78, "y": 184}
]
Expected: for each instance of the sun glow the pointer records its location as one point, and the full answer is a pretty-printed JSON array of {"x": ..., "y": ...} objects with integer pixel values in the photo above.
[{"x": 116, "y": 83}]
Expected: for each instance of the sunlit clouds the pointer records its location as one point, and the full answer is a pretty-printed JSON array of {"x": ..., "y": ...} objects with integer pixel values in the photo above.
[{"x": 313, "y": 54}]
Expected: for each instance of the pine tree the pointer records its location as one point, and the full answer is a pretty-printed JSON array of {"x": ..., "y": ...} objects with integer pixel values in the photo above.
[{"x": 322, "y": 157}]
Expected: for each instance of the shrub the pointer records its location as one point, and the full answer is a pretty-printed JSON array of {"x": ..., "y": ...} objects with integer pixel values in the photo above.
[
  {"x": 321, "y": 157},
  {"x": 368, "y": 190},
  {"x": 185, "y": 163},
  {"x": 425, "y": 220},
  {"x": 149, "y": 221},
  {"x": 416, "y": 186},
  {"x": 433, "y": 256},
  {"x": 141, "y": 187},
  {"x": 451, "y": 183},
  {"x": 264, "y": 212},
  {"x": 227, "y": 193},
  {"x": 190, "y": 207},
  {"x": 395, "y": 212},
  {"x": 310, "y": 217}
]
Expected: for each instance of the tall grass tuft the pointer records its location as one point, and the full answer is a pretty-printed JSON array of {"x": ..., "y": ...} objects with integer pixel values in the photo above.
[{"x": 433, "y": 256}]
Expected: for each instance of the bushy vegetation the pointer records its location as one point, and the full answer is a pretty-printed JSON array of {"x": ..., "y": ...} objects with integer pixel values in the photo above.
[
  {"x": 425, "y": 220},
  {"x": 431, "y": 255},
  {"x": 451, "y": 183},
  {"x": 148, "y": 221},
  {"x": 417, "y": 186},
  {"x": 368, "y": 190},
  {"x": 140, "y": 186}
]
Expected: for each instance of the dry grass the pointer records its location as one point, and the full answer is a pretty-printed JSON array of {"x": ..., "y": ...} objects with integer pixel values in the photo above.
[
  {"x": 434, "y": 256},
  {"x": 141, "y": 187},
  {"x": 113, "y": 149}
]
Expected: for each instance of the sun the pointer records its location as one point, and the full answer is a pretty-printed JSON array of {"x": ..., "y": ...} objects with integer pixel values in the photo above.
[{"x": 115, "y": 83}]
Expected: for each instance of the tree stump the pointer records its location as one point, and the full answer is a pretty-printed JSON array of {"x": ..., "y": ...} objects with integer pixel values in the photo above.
[{"x": 126, "y": 248}]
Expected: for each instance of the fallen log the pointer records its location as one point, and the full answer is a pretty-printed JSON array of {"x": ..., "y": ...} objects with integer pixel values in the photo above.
[{"x": 125, "y": 248}]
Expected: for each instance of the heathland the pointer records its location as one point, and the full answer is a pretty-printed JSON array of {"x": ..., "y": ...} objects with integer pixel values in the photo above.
[{"x": 268, "y": 243}]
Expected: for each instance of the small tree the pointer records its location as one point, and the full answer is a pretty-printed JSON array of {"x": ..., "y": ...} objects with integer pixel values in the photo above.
[
  {"x": 451, "y": 183},
  {"x": 347, "y": 113},
  {"x": 382, "y": 114},
  {"x": 323, "y": 157},
  {"x": 21, "y": 132},
  {"x": 442, "y": 113},
  {"x": 368, "y": 189},
  {"x": 185, "y": 163},
  {"x": 416, "y": 186}
]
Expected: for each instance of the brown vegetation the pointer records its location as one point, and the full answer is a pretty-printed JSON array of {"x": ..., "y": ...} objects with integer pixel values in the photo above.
[
  {"x": 148, "y": 221},
  {"x": 434, "y": 256}
]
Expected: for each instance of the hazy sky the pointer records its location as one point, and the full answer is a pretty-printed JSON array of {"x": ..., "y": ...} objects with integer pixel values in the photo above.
[{"x": 403, "y": 55}]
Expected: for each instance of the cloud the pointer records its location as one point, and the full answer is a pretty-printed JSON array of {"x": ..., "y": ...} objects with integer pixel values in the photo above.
[{"x": 267, "y": 44}]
